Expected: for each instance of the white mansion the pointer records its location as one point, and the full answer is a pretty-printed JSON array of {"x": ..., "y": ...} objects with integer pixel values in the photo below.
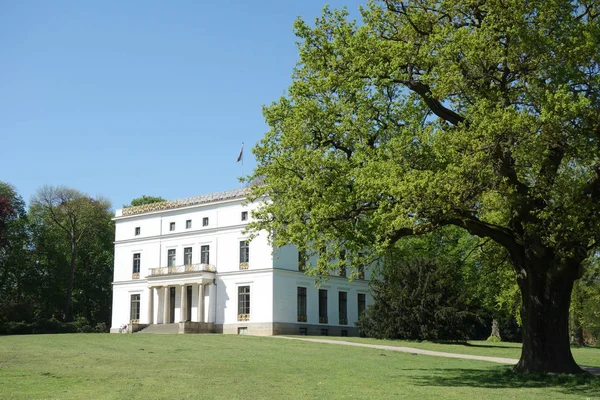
[{"x": 187, "y": 266}]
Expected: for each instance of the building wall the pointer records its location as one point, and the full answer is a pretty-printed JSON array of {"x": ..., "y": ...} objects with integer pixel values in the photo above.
[{"x": 272, "y": 274}]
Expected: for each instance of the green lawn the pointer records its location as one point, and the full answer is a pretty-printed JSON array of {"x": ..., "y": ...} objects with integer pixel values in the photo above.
[
  {"x": 102, "y": 366},
  {"x": 583, "y": 355}
]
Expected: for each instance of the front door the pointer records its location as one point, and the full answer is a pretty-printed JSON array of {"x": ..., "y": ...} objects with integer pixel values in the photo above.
[
  {"x": 189, "y": 303},
  {"x": 171, "y": 305}
]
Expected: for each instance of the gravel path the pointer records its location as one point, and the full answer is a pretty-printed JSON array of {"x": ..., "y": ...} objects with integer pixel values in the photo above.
[{"x": 499, "y": 360}]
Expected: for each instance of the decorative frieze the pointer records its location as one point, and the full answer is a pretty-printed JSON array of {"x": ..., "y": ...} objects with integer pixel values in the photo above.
[
  {"x": 187, "y": 201},
  {"x": 243, "y": 317},
  {"x": 302, "y": 318},
  {"x": 244, "y": 265}
]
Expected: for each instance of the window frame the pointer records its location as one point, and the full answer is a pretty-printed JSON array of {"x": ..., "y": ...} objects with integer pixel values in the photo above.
[
  {"x": 323, "y": 314},
  {"x": 171, "y": 226},
  {"x": 172, "y": 252},
  {"x": 244, "y": 216},
  {"x": 301, "y": 303},
  {"x": 244, "y": 300},
  {"x": 186, "y": 253},
  {"x": 204, "y": 251},
  {"x": 134, "y": 300},
  {"x": 139, "y": 263},
  {"x": 188, "y": 224},
  {"x": 343, "y": 311},
  {"x": 137, "y": 231},
  {"x": 244, "y": 251},
  {"x": 362, "y": 304},
  {"x": 205, "y": 221}
]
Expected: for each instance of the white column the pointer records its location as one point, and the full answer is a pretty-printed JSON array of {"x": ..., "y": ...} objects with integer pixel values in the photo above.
[
  {"x": 150, "y": 305},
  {"x": 182, "y": 304},
  {"x": 166, "y": 305},
  {"x": 201, "y": 302}
]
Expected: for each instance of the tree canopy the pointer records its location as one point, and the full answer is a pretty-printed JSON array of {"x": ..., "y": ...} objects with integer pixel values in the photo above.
[
  {"x": 482, "y": 115},
  {"x": 140, "y": 201}
]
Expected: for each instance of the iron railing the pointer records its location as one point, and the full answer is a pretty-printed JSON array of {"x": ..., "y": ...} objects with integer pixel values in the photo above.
[{"x": 181, "y": 269}]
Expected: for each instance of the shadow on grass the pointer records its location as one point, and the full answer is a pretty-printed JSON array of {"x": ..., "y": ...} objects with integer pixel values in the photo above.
[{"x": 504, "y": 378}]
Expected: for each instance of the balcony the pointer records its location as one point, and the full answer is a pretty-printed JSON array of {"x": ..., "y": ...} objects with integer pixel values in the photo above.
[{"x": 182, "y": 269}]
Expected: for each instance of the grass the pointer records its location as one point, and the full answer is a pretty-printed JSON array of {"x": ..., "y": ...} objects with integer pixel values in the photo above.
[
  {"x": 588, "y": 356},
  {"x": 102, "y": 366}
]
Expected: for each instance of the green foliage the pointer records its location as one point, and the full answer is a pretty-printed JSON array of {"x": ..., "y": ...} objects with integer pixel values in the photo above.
[
  {"x": 140, "y": 201},
  {"x": 494, "y": 339},
  {"x": 420, "y": 300},
  {"x": 585, "y": 305},
  {"x": 428, "y": 114}
]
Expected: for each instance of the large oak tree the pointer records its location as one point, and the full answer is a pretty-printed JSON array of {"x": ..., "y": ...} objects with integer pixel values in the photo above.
[{"x": 479, "y": 114}]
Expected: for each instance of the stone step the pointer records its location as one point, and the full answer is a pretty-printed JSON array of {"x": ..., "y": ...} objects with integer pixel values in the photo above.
[{"x": 161, "y": 329}]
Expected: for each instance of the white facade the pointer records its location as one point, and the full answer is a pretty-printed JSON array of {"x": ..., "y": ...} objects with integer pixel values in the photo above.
[{"x": 180, "y": 262}]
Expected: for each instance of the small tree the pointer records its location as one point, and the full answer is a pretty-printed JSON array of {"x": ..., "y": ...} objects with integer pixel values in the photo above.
[{"x": 140, "y": 201}]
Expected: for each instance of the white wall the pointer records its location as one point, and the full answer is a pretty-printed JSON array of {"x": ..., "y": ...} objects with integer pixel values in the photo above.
[{"x": 261, "y": 296}]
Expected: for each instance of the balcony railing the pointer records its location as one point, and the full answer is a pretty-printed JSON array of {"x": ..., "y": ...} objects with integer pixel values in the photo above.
[{"x": 180, "y": 269}]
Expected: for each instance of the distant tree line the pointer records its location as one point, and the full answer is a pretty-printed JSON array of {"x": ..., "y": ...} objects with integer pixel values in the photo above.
[{"x": 56, "y": 261}]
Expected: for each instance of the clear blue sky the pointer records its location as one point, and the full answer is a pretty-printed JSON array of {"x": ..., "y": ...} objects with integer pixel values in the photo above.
[{"x": 124, "y": 98}]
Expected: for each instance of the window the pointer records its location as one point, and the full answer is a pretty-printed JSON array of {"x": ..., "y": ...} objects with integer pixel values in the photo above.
[
  {"x": 303, "y": 331},
  {"x": 361, "y": 271},
  {"x": 172, "y": 226},
  {"x": 205, "y": 254},
  {"x": 343, "y": 263},
  {"x": 171, "y": 254},
  {"x": 244, "y": 215},
  {"x": 301, "y": 304},
  {"x": 205, "y": 221},
  {"x": 187, "y": 256},
  {"x": 137, "y": 231},
  {"x": 244, "y": 252},
  {"x": 343, "y": 307},
  {"x": 361, "y": 303},
  {"x": 323, "y": 306},
  {"x": 243, "y": 330},
  {"x": 188, "y": 224},
  {"x": 243, "y": 300},
  {"x": 301, "y": 260},
  {"x": 135, "y": 307},
  {"x": 136, "y": 263}
]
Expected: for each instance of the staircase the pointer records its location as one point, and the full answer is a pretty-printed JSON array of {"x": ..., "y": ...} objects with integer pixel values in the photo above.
[{"x": 161, "y": 329}]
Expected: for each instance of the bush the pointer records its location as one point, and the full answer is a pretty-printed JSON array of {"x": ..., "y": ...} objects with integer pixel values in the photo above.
[
  {"x": 419, "y": 300},
  {"x": 82, "y": 325},
  {"x": 101, "y": 328},
  {"x": 494, "y": 339}
]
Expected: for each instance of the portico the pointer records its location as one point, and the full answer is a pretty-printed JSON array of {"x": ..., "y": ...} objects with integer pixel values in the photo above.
[{"x": 183, "y": 294}]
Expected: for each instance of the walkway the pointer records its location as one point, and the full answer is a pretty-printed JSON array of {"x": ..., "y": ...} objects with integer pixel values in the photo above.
[{"x": 499, "y": 360}]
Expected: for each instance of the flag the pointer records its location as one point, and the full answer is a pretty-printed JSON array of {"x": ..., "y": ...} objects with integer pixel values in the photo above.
[{"x": 241, "y": 153}]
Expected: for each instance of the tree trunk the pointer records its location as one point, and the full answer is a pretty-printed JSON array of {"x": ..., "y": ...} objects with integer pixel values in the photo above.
[
  {"x": 546, "y": 292},
  {"x": 495, "y": 329},
  {"x": 68, "y": 297}
]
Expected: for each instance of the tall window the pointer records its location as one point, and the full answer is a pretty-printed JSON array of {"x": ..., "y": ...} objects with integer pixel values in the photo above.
[
  {"x": 136, "y": 263},
  {"x": 187, "y": 256},
  {"x": 172, "y": 226},
  {"x": 171, "y": 254},
  {"x": 205, "y": 254},
  {"x": 343, "y": 263},
  {"x": 323, "y": 306},
  {"x": 137, "y": 231},
  {"x": 244, "y": 215},
  {"x": 188, "y": 224},
  {"x": 135, "y": 307},
  {"x": 301, "y": 260},
  {"x": 205, "y": 221},
  {"x": 361, "y": 303},
  {"x": 244, "y": 300},
  {"x": 343, "y": 307},
  {"x": 301, "y": 304},
  {"x": 244, "y": 251}
]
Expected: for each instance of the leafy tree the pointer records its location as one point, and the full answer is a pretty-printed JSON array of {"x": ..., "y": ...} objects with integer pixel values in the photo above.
[
  {"x": 75, "y": 217},
  {"x": 481, "y": 115},
  {"x": 14, "y": 243},
  {"x": 140, "y": 201},
  {"x": 585, "y": 306}
]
